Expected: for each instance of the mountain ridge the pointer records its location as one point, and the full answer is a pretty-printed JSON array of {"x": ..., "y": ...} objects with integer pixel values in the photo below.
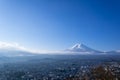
[{"x": 83, "y": 49}]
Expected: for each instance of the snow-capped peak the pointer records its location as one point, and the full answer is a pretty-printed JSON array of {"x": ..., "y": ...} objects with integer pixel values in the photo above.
[
  {"x": 76, "y": 46},
  {"x": 81, "y": 48}
]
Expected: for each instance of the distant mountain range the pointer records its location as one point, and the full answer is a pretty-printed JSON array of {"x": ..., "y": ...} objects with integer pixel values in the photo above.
[
  {"x": 83, "y": 49},
  {"x": 76, "y": 49},
  {"x": 11, "y": 53}
]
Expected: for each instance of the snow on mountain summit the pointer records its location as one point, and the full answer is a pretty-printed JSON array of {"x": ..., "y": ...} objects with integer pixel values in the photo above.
[
  {"x": 76, "y": 46},
  {"x": 81, "y": 48}
]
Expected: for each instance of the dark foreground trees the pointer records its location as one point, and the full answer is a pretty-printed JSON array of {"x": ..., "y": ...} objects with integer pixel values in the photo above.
[
  {"x": 99, "y": 73},
  {"x": 102, "y": 73}
]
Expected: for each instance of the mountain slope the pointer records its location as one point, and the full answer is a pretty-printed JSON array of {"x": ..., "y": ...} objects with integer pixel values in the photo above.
[
  {"x": 11, "y": 53},
  {"x": 81, "y": 48},
  {"x": 113, "y": 53}
]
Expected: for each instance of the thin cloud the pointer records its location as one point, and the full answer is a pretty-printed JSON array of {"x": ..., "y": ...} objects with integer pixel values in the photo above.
[
  {"x": 17, "y": 46},
  {"x": 11, "y": 46}
]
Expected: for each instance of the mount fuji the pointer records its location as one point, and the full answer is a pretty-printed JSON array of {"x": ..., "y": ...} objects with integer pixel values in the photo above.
[{"x": 82, "y": 49}]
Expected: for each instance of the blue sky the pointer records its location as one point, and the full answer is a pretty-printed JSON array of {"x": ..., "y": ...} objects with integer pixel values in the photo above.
[{"x": 59, "y": 24}]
